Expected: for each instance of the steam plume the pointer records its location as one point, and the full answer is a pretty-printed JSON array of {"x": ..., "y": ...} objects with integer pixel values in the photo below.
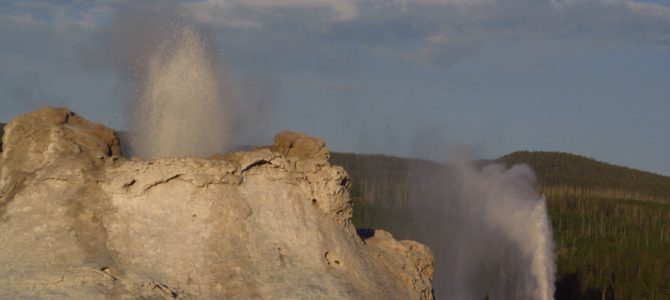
[{"x": 489, "y": 230}]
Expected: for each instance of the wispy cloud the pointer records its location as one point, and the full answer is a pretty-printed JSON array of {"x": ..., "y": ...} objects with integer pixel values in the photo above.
[
  {"x": 443, "y": 32},
  {"x": 434, "y": 31}
]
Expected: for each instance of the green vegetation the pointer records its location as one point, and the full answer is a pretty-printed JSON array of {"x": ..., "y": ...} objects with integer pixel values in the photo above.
[
  {"x": 610, "y": 248},
  {"x": 382, "y": 188},
  {"x": 611, "y": 224}
]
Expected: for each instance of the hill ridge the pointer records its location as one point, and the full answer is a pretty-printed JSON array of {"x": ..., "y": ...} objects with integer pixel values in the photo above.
[
  {"x": 580, "y": 156},
  {"x": 567, "y": 171}
]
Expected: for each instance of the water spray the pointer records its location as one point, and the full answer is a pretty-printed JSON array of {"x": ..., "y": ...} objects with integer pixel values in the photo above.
[{"x": 180, "y": 108}]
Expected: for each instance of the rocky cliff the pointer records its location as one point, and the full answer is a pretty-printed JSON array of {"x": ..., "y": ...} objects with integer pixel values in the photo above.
[{"x": 79, "y": 221}]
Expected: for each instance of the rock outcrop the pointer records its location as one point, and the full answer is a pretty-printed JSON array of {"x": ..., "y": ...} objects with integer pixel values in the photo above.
[{"x": 78, "y": 221}]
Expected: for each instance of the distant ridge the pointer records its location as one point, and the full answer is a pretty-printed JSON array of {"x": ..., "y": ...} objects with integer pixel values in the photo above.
[{"x": 560, "y": 172}]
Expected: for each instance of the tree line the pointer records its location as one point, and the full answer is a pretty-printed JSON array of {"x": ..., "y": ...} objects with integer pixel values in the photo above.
[{"x": 565, "y": 170}]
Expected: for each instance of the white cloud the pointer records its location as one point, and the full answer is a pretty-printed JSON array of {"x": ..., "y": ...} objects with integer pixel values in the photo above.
[
  {"x": 649, "y": 9},
  {"x": 467, "y": 28},
  {"x": 437, "y": 31},
  {"x": 444, "y": 31},
  {"x": 86, "y": 14},
  {"x": 229, "y": 12},
  {"x": 345, "y": 10}
]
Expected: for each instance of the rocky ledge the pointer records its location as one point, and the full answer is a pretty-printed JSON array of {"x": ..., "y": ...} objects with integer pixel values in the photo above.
[{"x": 79, "y": 221}]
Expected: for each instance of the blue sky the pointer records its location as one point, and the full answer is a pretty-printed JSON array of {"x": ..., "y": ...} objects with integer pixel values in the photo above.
[{"x": 411, "y": 78}]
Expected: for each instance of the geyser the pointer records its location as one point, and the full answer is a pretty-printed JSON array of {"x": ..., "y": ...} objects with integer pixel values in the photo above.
[
  {"x": 180, "y": 108},
  {"x": 489, "y": 230}
]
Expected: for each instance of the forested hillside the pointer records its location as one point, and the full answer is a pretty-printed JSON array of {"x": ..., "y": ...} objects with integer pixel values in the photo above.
[
  {"x": 383, "y": 188},
  {"x": 568, "y": 173},
  {"x": 610, "y": 242}
]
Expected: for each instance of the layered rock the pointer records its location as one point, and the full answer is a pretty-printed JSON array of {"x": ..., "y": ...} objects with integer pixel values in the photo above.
[{"x": 78, "y": 221}]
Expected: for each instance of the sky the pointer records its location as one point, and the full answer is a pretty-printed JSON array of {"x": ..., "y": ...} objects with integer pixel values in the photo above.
[{"x": 422, "y": 78}]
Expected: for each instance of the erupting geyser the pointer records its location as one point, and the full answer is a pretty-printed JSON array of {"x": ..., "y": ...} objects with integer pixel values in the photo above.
[
  {"x": 180, "y": 109},
  {"x": 543, "y": 265},
  {"x": 508, "y": 222},
  {"x": 494, "y": 236}
]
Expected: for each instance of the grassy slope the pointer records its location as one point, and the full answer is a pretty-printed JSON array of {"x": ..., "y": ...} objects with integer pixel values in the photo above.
[{"x": 607, "y": 246}]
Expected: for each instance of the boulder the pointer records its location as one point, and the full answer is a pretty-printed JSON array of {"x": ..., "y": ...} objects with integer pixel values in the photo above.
[
  {"x": 78, "y": 221},
  {"x": 297, "y": 144}
]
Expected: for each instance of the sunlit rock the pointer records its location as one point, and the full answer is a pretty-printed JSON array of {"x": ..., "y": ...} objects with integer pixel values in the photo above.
[{"x": 77, "y": 221}]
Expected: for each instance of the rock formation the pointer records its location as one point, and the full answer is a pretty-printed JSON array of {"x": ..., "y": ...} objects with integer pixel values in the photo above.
[{"x": 78, "y": 221}]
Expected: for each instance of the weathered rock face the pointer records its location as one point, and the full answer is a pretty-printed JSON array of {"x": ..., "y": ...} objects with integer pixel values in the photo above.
[{"x": 77, "y": 221}]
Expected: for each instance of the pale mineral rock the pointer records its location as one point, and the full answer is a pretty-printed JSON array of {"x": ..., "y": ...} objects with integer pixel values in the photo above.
[{"x": 78, "y": 221}]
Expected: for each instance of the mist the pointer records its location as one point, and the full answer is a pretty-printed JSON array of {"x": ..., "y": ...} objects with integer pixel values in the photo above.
[{"x": 488, "y": 229}]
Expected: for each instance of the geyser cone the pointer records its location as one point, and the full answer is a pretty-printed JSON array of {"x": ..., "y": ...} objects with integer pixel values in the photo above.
[{"x": 181, "y": 105}]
